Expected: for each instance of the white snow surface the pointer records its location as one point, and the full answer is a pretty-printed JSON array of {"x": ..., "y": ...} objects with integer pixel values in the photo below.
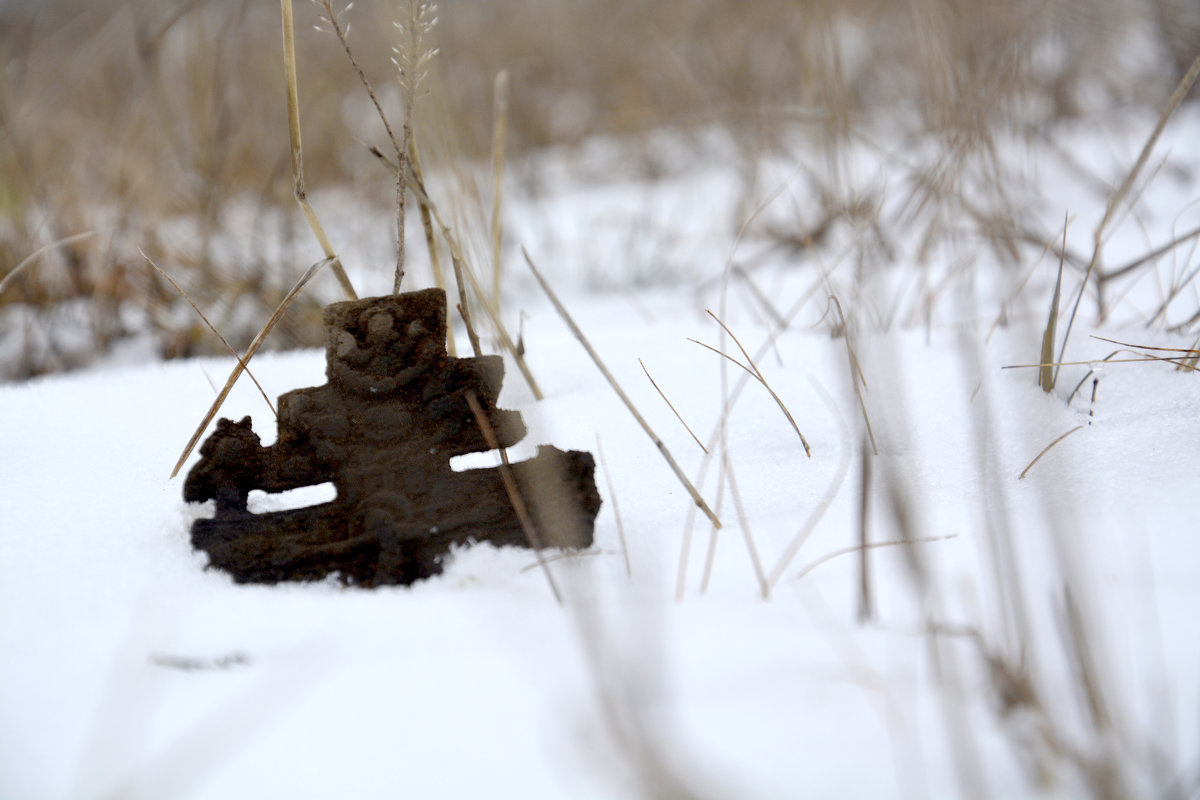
[{"x": 127, "y": 669}]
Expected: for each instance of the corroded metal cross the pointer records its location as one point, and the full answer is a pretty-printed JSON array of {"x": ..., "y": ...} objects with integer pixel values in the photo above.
[{"x": 383, "y": 429}]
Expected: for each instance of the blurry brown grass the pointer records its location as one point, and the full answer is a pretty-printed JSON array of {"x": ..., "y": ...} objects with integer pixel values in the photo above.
[{"x": 125, "y": 117}]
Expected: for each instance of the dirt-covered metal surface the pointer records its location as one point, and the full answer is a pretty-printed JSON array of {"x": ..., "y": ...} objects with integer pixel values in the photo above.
[{"x": 383, "y": 429}]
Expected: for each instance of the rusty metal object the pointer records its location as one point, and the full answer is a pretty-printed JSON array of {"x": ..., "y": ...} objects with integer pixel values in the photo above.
[{"x": 383, "y": 431}]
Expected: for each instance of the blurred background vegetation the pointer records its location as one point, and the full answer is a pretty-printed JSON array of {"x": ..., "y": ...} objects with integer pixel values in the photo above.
[{"x": 159, "y": 125}]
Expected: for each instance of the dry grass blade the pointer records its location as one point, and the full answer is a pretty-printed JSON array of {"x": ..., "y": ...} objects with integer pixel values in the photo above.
[
  {"x": 671, "y": 406},
  {"x": 1187, "y": 351},
  {"x": 685, "y": 546},
  {"x": 287, "y": 301},
  {"x": 859, "y": 548},
  {"x": 1192, "y": 361},
  {"x": 293, "y": 105},
  {"x": 747, "y": 535},
  {"x": 464, "y": 275},
  {"x": 866, "y": 605},
  {"x": 710, "y": 557},
  {"x": 506, "y": 340},
  {"x": 1083, "y": 654},
  {"x": 719, "y": 431},
  {"x": 334, "y": 22},
  {"x": 1177, "y": 97},
  {"x": 411, "y": 58},
  {"x": 662, "y": 448},
  {"x": 1117, "y": 197},
  {"x": 29, "y": 259},
  {"x": 567, "y": 556},
  {"x": 435, "y": 259},
  {"x": 1109, "y": 360},
  {"x": 857, "y": 379},
  {"x": 1047, "y": 448},
  {"x": 1153, "y": 254},
  {"x": 464, "y": 307},
  {"x": 213, "y": 328},
  {"x": 510, "y": 486},
  {"x": 752, "y": 368},
  {"x": 459, "y": 267},
  {"x": 776, "y": 317},
  {"x": 826, "y": 500},
  {"x": 1048, "y": 375},
  {"x": 499, "y": 135},
  {"x": 612, "y": 496}
]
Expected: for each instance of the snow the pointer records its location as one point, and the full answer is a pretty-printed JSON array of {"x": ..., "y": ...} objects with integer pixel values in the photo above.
[{"x": 127, "y": 669}]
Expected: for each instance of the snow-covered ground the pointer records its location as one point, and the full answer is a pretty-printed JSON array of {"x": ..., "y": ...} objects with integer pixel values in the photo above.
[{"x": 128, "y": 670}]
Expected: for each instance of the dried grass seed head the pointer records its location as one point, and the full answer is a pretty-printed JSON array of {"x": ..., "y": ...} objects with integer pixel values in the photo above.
[
  {"x": 330, "y": 21},
  {"x": 412, "y": 55}
]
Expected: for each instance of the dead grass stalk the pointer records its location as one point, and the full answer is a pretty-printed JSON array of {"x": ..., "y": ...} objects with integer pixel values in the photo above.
[
  {"x": 232, "y": 351},
  {"x": 293, "y": 105},
  {"x": 244, "y": 361},
  {"x": 752, "y": 369},
  {"x": 608, "y": 376},
  {"x": 671, "y": 406},
  {"x": 1119, "y": 195},
  {"x": 512, "y": 489}
]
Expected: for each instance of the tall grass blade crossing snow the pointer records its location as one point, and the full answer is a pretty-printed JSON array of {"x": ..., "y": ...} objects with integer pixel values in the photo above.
[{"x": 658, "y": 443}]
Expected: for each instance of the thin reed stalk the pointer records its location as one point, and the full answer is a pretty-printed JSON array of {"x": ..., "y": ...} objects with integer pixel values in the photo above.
[
  {"x": 298, "y": 189},
  {"x": 658, "y": 443},
  {"x": 1118, "y": 196},
  {"x": 719, "y": 432},
  {"x": 1181, "y": 363},
  {"x": 671, "y": 406},
  {"x": 752, "y": 368},
  {"x": 232, "y": 351},
  {"x": 244, "y": 361},
  {"x": 744, "y": 523},
  {"x": 464, "y": 307},
  {"x": 334, "y": 22},
  {"x": 499, "y": 136},
  {"x": 710, "y": 557},
  {"x": 411, "y": 57},
  {"x": 1047, "y": 449},
  {"x": 612, "y": 496},
  {"x": 857, "y": 380},
  {"x": 1048, "y": 375},
  {"x": 863, "y": 547},
  {"x": 866, "y": 605},
  {"x": 32, "y": 257},
  {"x": 466, "y": 276},
  {"x": 506, "y": 340},
  {"x": 435, "y": 259},
  {"x": 827, "y": 498},
  {"x": 512, "y": 489}
]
